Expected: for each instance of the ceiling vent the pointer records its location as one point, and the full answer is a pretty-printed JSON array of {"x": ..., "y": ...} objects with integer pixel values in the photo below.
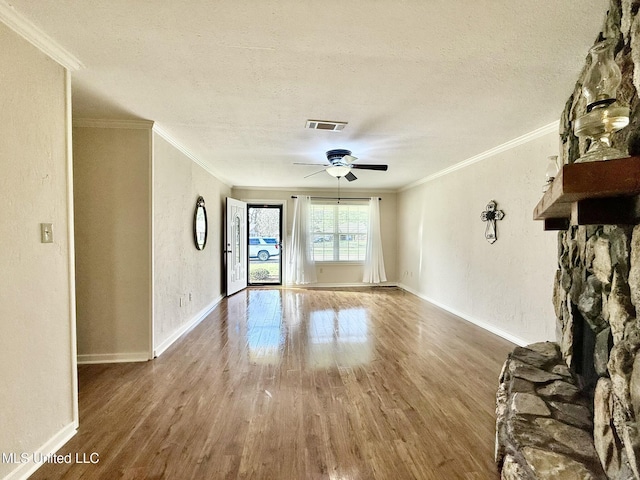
[{"x": 326, "y": 125}]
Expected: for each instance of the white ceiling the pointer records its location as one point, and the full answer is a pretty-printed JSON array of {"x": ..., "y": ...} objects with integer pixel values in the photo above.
[{"x": 423, "y": 84}]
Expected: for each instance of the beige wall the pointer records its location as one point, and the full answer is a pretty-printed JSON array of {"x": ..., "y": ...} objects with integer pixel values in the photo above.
[
  {"x": 444, "y": 257},
  {"x": 335, "y": 273},
  {"x": 112, "y": 176},
  {"x": 179, "y": 268},
  {"x": 37, "y": 397}
]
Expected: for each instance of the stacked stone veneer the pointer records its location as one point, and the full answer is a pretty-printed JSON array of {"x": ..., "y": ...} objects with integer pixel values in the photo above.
[
  {"x": 540, "y": 399},
  {"x": 598, "y": 284},
  {"x": 544, "y": 424}
]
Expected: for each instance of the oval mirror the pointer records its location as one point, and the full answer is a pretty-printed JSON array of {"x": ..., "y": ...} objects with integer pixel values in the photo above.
[{"x": 200, "y": 224}]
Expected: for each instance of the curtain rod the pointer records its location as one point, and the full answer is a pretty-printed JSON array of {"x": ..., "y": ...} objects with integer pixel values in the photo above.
[{"x": 338, "y": 198}]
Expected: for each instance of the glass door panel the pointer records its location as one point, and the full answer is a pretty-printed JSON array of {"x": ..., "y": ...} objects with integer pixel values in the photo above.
[{"x": 265, "y": 244}]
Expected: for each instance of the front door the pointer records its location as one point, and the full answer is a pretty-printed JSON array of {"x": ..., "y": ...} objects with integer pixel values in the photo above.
[
  {"x": 236, "y": 240},
  {"x": 265, "y": 244}
]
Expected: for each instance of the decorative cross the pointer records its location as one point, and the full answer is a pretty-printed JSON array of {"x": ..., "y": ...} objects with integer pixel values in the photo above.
[{"x": 490, "y": 215}]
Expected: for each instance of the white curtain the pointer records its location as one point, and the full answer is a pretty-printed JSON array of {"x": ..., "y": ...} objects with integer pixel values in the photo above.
[
  {"x": 301, "y": 268},
  {"x": 374, "y": 261}
]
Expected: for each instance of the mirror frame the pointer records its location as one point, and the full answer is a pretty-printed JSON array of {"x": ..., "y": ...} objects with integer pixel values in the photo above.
[{"x": 200, "y": 207}]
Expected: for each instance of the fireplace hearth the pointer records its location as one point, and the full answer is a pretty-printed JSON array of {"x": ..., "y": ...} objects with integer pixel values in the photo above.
[{"x": 544, "y": 422}]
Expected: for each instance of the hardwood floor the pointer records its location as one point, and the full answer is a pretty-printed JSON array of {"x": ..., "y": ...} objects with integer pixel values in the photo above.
[{"x": 298, "y": 384}]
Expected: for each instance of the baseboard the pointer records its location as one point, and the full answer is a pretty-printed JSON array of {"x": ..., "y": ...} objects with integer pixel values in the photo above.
[
  {"x": 486, "y": 326},
  {"x": 54, "y": 444},
  {"x": 157, "y": 351},
  {"x": 343, "y": 285},
  {"x": 113, "y": 358}
]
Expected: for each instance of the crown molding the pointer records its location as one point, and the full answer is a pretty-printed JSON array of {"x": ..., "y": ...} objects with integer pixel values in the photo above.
[
  {"x": 34, "y": 35},
  {"x": 146, "y": 125},
  {"x": 550, "y": 128},
  {"x": 181, "y": 148},
  {"x": 112, "y": 123}
]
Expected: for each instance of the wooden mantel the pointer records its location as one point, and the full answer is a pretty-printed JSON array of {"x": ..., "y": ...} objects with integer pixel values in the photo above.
[{"x": 593, "y": 193}]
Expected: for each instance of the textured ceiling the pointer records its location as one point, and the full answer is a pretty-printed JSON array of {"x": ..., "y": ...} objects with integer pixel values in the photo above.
[{"x": 423, "y": 84}]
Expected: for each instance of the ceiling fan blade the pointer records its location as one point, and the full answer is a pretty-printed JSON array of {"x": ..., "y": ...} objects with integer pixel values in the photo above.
[
  {"x": 313, "y": 164},
  {"x": 365, "y": 166},
  {"x": 314, "y": 173},
  {"x": 349, "y": 159},
  {"x": 350, "y": 176}
]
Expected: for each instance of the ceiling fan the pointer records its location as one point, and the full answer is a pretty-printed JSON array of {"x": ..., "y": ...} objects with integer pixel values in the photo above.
[{"x": 340, "y": 164}]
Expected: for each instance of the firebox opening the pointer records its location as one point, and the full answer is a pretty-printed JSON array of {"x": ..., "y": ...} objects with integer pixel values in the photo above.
[{"x": 584, "y": 346}]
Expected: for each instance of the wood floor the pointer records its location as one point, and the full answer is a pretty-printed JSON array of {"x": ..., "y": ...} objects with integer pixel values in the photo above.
[{"x": 298, "y": 384}]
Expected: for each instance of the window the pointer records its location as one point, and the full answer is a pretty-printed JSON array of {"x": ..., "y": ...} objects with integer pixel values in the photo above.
[{"x": 339, "y": 232}]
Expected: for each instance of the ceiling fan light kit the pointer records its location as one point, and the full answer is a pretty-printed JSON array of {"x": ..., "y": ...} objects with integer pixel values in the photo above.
[
  {"x": 338, "y": 170},
  {"x": 341, "y": 162}
]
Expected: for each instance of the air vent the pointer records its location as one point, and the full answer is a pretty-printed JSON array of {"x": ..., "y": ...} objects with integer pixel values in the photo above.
[{"x": 326, "y": 125}]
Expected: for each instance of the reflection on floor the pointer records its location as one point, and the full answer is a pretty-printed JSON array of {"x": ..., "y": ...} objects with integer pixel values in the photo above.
[{"x": 334, "y": 337}]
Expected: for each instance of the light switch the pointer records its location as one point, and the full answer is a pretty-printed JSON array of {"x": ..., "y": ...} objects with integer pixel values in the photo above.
[{"x": 46, "y": 232}]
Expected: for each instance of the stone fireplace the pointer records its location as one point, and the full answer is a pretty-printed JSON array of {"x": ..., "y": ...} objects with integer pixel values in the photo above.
[
  {"x": 599, "y": 335},
  {"x": 571, "y": 408}
]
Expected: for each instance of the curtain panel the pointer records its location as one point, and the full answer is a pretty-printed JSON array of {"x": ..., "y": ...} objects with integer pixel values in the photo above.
[
  {"x": 374, "y": 260},
  {"x": 301, "y": 268}
]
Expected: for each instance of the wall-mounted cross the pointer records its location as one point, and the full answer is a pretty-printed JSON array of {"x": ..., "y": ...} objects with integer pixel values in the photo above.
[{"x": 490, "y": 215}]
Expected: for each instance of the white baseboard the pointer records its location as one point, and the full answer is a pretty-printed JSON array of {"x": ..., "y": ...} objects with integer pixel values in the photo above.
[
  {"x": 486, "y": 326},
  {"x": 113, "y": 358},
  {"x": 157, "y": 351},
  {"x": 54, "y": 444},
  {"x": 343, "y": 285}
]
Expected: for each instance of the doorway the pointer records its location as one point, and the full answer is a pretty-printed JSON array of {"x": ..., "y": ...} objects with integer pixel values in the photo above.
[{"x": 264, "y": 225}]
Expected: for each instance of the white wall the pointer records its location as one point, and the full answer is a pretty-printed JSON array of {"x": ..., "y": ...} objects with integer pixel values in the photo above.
[
  {"x": 37, "y": 345},
  {"x": 179, "y": 268},
  {"x": 135, "y": 197},
  {"x": 112, "y": 175},
  {"x": 336, "y": 273},
  {"x": 444, "y": 257}
]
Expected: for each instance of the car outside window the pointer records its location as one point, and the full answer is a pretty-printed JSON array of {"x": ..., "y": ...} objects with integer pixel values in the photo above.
[{"x": 263, "y": 248}]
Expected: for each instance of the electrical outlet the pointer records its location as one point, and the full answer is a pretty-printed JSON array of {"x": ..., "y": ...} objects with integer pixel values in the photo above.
[
  {"x": 181, "y": 301},
  {"x": 190, "y": 297},
  {"x": 46, "y": 233}
]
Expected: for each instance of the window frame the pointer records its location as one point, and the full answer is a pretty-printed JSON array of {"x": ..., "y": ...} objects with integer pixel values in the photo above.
[{"x": 336, "y": 233}]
